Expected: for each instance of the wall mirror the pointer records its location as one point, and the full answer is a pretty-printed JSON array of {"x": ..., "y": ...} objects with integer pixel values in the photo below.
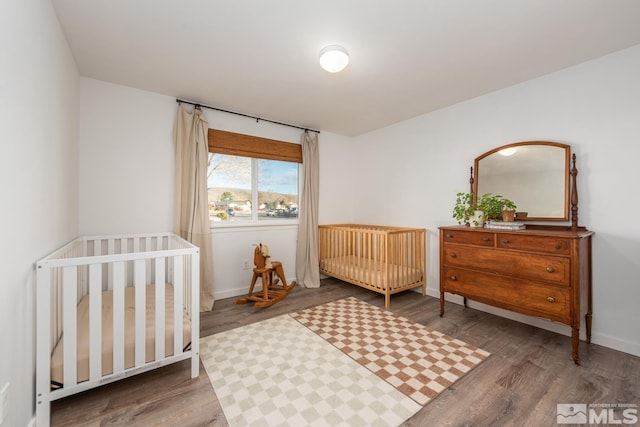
[{"x": 533, "y": 174}]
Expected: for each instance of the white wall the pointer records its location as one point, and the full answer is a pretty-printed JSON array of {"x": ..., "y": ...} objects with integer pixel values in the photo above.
[
  {"x": 406, "y": 174},
  {"x": 127, "y": 177},
  {"x": 38, "y": 178},
  {"x": 126, "y": 159},
  {"x": 417, "y": 167}
]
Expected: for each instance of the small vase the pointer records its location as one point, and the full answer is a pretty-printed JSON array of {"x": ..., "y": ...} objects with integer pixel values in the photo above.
[
  {"x": 508, "y": 215},
  {"x": 477, "y": 220}
]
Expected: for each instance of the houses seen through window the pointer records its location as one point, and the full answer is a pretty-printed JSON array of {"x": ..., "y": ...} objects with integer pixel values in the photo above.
[{"x": 245, "y": 189}]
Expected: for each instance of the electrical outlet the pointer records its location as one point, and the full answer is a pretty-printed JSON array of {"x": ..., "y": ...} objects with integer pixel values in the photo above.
[
  {"x": 246, "y": 264},
  {"x": 4, "y": 402}
]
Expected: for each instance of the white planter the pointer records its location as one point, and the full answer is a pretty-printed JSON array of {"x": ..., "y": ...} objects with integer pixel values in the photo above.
[{"x": 477, "y": 220}]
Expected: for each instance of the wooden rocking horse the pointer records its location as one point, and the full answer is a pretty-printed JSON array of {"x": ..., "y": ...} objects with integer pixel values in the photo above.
[{"x": 272, "y": 291}]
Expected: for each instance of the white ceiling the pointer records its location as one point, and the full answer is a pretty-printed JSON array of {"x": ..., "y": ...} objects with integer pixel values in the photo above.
[{"x": 408, "y": 57}]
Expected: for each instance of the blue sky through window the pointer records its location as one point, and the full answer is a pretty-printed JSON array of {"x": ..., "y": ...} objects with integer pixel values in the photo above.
[{"x": 235, "y": 172}]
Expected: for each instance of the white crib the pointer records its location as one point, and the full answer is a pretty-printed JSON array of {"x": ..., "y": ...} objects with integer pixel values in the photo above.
[{"x": 89, "y": 328}]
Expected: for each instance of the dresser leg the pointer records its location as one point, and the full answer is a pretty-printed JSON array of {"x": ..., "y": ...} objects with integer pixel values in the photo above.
[
  {"x": 441, "y": 304},
  {"x": 587, "y": 319},
  {"x": 464, "y": 301},
  {"x": 575, "y": 342}
]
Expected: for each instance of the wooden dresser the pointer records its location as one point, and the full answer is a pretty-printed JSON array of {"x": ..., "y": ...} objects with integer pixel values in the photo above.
[{"x": 542, "y": 271}]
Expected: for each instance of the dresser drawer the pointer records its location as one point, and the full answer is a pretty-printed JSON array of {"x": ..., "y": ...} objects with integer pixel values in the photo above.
[
  {"x": 528, "y": 266},
  {"x": 524, "y": 242},
  {"x": 520, "y": 295},
  {"x": 477, "y": 238}
]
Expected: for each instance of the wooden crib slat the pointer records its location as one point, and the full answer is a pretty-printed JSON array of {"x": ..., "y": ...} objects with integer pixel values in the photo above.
[
  {"x": 348, "y": 252},
  {"x": 95, "y": 321},
  {"x": 118, "y": 316},
  {"x": 160, "y": 302},
  {"x": 69, "y": 324},
  {"x": 139, "y": 268},
  {"x": 343, "y": 236},
  {"x": 367, "y": 258},
  {"x": 394, "y": 261}
]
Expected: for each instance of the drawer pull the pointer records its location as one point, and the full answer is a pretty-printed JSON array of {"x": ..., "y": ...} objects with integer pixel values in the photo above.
[
  {"x": 505, "y": 241},
  {"x": 450, "y": 236},
  {"x": 551, "y": 299},
  {"x": 550, "y": 270},
  {"x": 453, "y": 255},
  {"x": 557, "y": 246},
  {"x": 485, "y": 239},
  {"x": 453, "y": 278}
]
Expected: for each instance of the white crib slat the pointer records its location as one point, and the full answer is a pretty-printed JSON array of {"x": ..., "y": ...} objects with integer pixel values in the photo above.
[
  {"x": 178, "y": 286},
  {"x": 69, "y": 324},
  {"x": 118, "y": 317},
  {"x": 111, "y": 250},
  {"x": 160, "y": 302},
  {"x": 95, "y": 321},
  {"x": 140, "y": 310},
  {"x": 43, "y": 348}
]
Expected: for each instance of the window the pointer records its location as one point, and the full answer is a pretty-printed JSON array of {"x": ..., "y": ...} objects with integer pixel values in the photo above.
[{"x": 252, "y": 179}]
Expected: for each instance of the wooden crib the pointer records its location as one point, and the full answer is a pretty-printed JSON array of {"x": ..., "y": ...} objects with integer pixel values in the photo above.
[
  {"x": 107, "y": 309},
  {"x": 383, "y": 259}
]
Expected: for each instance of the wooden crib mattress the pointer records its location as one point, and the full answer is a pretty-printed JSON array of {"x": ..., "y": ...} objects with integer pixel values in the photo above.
[
  {"x": 129, "y": 326},
  {"x": 363, "y": 270}
]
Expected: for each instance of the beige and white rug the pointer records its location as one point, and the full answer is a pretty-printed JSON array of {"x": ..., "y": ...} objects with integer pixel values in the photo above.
[{"x": 343, "y": 363}]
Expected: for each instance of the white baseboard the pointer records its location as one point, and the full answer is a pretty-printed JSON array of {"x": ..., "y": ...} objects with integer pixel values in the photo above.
[
  {"x": 615, "y": 343},
  {"x": 230, "y": 293},
  {"x": 236, "y": 292}
]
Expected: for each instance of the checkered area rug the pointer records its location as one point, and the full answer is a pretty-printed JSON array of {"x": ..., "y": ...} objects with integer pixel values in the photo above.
[
  {"x": 345, "y": 363},
  {"x": 279, "y": 373},
  {"x": 417, "y": 361}
]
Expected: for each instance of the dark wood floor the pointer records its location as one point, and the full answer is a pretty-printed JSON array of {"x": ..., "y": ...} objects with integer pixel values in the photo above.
[{"x": 529, "y": 372}]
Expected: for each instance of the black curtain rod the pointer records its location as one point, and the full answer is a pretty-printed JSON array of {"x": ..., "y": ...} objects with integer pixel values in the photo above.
[{"x": 197, "y": 105}]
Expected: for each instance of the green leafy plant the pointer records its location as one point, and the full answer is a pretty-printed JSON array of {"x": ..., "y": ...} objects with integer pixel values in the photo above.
[
  {"x": 463, "y": 209},
  {"x": 493, "y": 205}
]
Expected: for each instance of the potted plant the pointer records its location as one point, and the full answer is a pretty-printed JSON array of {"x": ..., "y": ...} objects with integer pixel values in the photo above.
[
  {"x": 494, "y": 205},
  {"x": 465, "y": 212}
]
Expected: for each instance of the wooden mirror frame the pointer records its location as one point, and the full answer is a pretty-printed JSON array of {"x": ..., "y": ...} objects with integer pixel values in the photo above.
[{"x": 570, "y": 206}]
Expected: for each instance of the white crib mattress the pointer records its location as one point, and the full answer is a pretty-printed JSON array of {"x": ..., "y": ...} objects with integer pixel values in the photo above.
[
  {"x": 361, "y": 270},
  {"x": 107, "y": 333}
]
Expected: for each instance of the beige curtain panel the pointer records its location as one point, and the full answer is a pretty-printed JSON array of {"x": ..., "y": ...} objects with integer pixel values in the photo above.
[
  {"x": 307, "y": 260},
  {"x": 191, "y": 206}
]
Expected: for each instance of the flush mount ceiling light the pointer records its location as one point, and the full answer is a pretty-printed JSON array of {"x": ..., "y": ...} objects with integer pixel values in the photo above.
[{"x": 334, "y": 58}]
